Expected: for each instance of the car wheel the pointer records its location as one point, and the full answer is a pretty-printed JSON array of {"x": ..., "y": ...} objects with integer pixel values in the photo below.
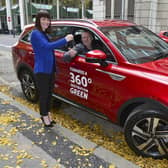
[
  {"x": 146, "y": 132},
  {"x": 28, "y": 85}
]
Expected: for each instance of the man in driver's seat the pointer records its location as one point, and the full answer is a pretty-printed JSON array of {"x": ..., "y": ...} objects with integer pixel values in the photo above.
[{"x": 81, "y": 48}]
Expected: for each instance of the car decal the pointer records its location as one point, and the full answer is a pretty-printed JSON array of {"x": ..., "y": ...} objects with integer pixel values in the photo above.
[{"x": 79, "y": 82}]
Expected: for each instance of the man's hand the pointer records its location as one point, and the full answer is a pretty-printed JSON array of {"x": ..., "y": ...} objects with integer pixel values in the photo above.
[{"x": 72, "y": 52}]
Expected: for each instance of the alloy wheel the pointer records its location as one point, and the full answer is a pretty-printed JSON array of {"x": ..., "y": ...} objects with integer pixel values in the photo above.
[
  {"x": 28, "y": 86},
  {"x": 150, "y": 135}
]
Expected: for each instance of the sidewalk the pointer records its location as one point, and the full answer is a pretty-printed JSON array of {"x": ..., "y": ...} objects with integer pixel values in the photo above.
[
  {"x": 7, "y": 39},
  {"x": 27, "y": 144}
]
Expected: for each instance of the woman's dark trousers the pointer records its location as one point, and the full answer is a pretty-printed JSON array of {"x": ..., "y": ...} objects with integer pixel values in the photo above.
[{"x": 45, "y": 84}]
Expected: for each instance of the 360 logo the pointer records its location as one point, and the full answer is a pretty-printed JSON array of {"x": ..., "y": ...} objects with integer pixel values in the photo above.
[{"x": 80, "y": 80}]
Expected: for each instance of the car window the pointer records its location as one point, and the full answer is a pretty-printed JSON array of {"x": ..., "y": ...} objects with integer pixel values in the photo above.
[
  {"x": 105, "y": 49},
  {"x": 60, "y": 32},
  {"x": 26, "y": 38},
  {"x": 97, "y": 42},
  {"x": 136, "y": 43},
  {"x": 57, "y": 33}
]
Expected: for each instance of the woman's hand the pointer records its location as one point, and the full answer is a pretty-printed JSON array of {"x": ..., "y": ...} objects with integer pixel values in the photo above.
[{"x": 69, "y": 37}]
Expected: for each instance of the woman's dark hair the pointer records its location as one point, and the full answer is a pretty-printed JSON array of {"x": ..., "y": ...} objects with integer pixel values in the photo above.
[{"x": 40, "y": 14}]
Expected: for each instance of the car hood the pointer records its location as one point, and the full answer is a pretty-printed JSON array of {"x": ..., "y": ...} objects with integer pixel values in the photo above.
[
  {"x": 156, "y": 69},
  {"x": 159, "y": 66}
]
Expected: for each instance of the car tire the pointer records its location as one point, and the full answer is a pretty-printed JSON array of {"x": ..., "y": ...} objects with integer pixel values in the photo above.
[
  {"x": 28, "y": 85},
  {"x": 146, "y": 131}
]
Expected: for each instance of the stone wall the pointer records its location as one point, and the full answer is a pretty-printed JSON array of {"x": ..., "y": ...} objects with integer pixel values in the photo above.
[
  {"x": 152, "y": 14},
  {"x": 146, "y": 13},
  {"x": 99, "y": 9},
  {"x": 162, "y": 15}
]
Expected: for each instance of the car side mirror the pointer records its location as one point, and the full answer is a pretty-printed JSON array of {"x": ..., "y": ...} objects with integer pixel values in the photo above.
[{"x": 96, "y": 56}]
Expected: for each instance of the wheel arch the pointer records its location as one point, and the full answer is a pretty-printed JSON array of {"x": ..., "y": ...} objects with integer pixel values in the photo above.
[
  {"x": 128, "y": 107},
  {"x": 30, "y": 89},
  {"x": 22, "y": 67}
]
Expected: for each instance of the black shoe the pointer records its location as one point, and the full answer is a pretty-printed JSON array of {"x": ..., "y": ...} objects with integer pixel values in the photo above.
[{"x": 46, "y": 125}]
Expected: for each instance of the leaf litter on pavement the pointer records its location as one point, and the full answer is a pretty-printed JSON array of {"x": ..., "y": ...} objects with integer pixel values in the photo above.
[
  {"x": 115, "y": 143},
  {"x": 7, "y": 131}
]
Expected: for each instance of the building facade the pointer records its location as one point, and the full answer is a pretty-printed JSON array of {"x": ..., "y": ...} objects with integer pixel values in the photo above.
[
  {"x": 149, "y": 13},
  {"x": 14, "y": 14}
]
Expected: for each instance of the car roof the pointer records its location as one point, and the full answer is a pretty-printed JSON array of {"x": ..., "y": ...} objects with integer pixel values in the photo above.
[
  {"x": 107, "y": 23},
  {"x": 97, "y": 23},
  {"x": 91, "y": 22}
]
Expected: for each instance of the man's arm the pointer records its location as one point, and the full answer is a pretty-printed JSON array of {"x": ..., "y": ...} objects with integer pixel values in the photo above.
[{"x": 69, "y": 55}]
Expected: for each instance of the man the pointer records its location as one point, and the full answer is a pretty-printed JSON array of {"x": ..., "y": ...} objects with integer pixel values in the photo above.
[{"x": 81, "y": 48}]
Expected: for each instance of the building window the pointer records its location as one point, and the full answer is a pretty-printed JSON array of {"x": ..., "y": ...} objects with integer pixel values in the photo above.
[
  {"x": 40, "y": 1},
  {"x": 117, "y": 9},
  {"x": 108, "y": 9},
  {"x": 131, "y": 4}
]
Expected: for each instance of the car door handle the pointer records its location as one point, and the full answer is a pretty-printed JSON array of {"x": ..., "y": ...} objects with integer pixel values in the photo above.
[{"x": 114, "y": 76}]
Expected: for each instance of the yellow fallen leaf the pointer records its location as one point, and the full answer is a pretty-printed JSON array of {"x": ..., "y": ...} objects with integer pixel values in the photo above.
[
  {"x": 112, "y": 166},
  {"x": 8, "y": 167},
  {"x": 13, "y": 131},
  {"x": 57, "y": 166},
  {"x": 54, "y": 143},
  {"x": 18, "y": 166},
  {"x": 5, "y": 102},
  {"x": 20, "y": 161},
  {"x": 44, "y": 164},
  {"x": 82, "y": 151},
  {"x": 40, "y": 142},
  {"x": 6, "y": 141}
]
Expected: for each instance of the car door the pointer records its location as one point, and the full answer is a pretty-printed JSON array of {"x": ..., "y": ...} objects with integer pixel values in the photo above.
[
  {"x": 85, "y": 83},
  {"x": 25, "y": 49},
  {"x": 61, "y": 86},
  {"x": 93, "y": 85}
]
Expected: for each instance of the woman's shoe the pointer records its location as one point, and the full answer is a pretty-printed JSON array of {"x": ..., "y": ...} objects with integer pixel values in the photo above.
[
  {"x": 44, "y": 120},
  {"x": 50, "y": 117}
]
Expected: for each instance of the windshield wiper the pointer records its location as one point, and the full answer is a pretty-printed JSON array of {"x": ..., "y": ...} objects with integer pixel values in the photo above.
[{"x": 161, "y": 55}]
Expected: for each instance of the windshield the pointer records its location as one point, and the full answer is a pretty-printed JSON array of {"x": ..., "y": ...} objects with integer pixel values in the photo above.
[{"x": 136, "y": 43}]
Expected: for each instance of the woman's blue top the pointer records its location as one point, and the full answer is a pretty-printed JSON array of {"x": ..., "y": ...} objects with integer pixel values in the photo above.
[{"x": 43, "y": 50}]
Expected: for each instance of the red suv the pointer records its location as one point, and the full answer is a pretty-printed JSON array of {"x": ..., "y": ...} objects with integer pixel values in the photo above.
[{"x": 125, "y": 80}]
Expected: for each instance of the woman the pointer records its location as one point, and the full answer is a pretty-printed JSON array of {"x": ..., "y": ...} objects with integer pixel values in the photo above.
[{"x": 44, "y": 67}]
